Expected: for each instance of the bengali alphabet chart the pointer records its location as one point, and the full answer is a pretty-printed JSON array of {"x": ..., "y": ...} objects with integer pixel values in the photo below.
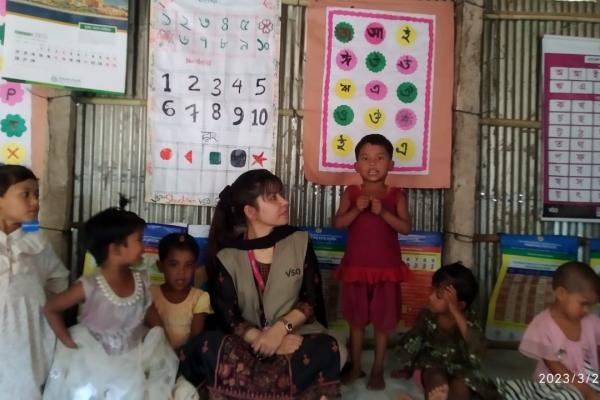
[
  {"x": 378, "y": 79},
  {"x": 572, "y": 135},
  {"x": 213, "y": 96}
]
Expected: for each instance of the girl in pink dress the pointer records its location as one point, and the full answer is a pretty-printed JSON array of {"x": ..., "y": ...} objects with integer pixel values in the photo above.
[
  {"x": 564, "y": 338},
  {"x": 110, "y": 354},
  {"x": 372, "y": 267}
]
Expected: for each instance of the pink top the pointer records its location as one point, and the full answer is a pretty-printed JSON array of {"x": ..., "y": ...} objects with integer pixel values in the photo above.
[
  {"x": 544, "y": 340},
  {"x": 116, "y": 322},
  {"x": 372, "y": 250}
]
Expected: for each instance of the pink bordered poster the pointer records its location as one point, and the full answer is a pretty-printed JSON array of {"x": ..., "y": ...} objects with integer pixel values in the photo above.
[
  {"x": 379, "y": 74},
  {"x": 571, "y": 127}
]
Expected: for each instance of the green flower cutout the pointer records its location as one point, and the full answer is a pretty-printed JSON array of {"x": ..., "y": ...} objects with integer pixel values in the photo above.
[{"x": 13, "y": 125}]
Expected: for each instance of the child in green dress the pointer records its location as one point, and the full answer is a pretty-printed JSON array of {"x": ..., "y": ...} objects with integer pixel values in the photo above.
[{"x": 446, "y": 343}]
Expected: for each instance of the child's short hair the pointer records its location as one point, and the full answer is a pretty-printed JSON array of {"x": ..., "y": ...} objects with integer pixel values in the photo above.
[
  {"x": 111, "y": 226},
  {"x": 11, "y": 174},
  {"x": 575, "y": 276},
  {"x": 375, "y": 139},
  {"x": 177, "y": 241},
  {"x": 461, "y": 278}
]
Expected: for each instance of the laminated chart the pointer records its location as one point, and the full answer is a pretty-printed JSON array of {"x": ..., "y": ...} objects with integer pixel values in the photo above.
[
  {"x": 571, "y": 127},
  {"x": 422, "y": 252},
  {"x": 329, "y": 245},
  {"x": 523, "y": 288},
  {"x": 212, "y": 99}
]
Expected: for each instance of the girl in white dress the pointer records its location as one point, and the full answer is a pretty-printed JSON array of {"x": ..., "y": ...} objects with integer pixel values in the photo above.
[
  {"x": 110, "y": 354},
  {"x": 29, "y": 272}
]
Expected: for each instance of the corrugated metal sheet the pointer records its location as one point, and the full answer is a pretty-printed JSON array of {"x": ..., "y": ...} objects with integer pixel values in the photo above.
[
  {"x": 111, "y": 141},
  {"x": 509, "y": 183}
]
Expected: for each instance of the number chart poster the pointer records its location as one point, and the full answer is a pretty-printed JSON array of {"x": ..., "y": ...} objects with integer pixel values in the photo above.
[
  {"x": 524, "y": 285},
  {"x": 571, "y": 128},
  {"x": 80, "y": 45},
  {"x": 212, "y": 101},
  {"x": 379, "y": 69}
]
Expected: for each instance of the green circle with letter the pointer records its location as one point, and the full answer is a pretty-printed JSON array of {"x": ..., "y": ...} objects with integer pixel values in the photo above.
[
  {"x": 344, "y": 32},
  {"x": 375, "y": 61},
  {"x": 406, "y": 92},
  {"x": 343, "y": 115}
]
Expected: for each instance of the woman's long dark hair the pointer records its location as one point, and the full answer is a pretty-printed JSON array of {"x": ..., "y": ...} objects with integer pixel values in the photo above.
[{"x": 229, "y": 220}]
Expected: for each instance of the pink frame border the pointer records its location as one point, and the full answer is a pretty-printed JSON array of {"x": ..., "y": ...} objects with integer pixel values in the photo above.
[{"x": 430, "y": 22}]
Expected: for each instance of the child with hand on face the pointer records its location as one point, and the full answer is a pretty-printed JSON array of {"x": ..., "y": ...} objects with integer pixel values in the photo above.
[
  {"x": 446, "y": 343},
  {"x": 372, "y": 267}
]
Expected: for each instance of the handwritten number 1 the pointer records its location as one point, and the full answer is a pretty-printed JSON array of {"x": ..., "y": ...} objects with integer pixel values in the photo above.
[{"x": 167, "y": 85}]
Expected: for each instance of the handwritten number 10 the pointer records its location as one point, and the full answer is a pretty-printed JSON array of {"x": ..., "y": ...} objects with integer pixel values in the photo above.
[{"x": 262, "y": 117}]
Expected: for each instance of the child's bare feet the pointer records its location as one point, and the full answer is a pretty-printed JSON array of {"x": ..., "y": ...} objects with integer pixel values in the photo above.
[
  {"x": 438, "y": 393},
  {"x": 376, "y": 381},
  {"x": 350, "y": 376}
]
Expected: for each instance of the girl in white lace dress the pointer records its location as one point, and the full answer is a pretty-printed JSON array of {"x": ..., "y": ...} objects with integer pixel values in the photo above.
[
  {"x": 110, "y": 354},
  {"x": 29, "y": 271}
]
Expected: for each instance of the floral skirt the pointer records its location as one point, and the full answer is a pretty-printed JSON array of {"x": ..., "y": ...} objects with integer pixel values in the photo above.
[{"x": 230, "y": 370}]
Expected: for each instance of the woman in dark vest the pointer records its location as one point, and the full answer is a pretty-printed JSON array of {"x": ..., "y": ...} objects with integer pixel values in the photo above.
[{"x": 265, "y": 289}]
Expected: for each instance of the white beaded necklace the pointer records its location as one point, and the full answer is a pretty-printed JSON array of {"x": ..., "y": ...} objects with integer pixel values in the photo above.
[{"x": 114, "y": 298}]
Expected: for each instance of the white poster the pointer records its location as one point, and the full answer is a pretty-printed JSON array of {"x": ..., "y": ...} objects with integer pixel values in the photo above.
[
  {"x": 73, "y": 44},
  {"x": 212, "y": 98},
  {"x": 571, "y": 128},
  {"x": 378, "y": 79}
]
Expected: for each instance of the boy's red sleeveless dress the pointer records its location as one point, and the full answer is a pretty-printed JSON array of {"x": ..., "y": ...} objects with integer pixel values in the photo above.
[{"x": 372, "y": 267}]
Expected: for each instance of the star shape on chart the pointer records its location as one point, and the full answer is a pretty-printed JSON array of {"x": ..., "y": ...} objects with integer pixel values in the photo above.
[{"x": 259, "y": 158}]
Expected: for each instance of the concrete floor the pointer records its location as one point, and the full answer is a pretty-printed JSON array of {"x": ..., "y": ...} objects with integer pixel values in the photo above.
[{"x": 500, "y": 363}]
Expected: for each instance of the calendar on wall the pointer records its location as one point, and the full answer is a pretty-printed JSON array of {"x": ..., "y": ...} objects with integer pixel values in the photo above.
[
  {"x": 571, "y": 128},
  {"x": 212, "y": 101},
  {"x": 79, "y": 45}
]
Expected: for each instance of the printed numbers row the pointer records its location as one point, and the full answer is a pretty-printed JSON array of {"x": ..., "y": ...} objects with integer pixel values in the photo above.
[
  {"x": 259, "y": 117},
  {"x": 217, "y": 86}
]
